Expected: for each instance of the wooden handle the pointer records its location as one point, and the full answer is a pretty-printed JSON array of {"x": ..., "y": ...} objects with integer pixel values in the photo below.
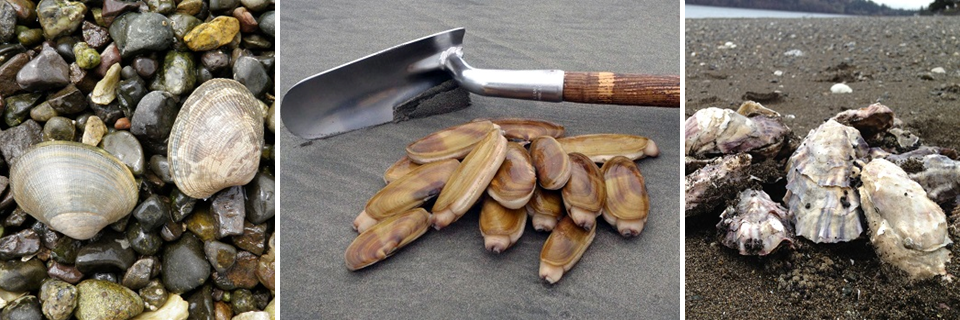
[{"x": 622, "y": 88}]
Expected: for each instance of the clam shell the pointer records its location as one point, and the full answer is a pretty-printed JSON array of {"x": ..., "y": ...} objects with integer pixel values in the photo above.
[
  {"x": 551, "y": 162},
  {"x": 399, "y": 169},
  {"x": 383, "y": 239},
  {"x": 501, "y": 227},
  {"x": 545, "y": 209},
  {"x": 216, "y": 139},
  {"x": 469, "y": 181},
  {"x": 602, "y": 147},
  {"x": 450, "y": 143},
  {"x": 627, "y": 203},
  {"x": 713, "y": 131},
  {"x": 585, "y": 193},
  {"x": 563, "y": 249},
  {"x": 525, "y": 130},
  {"x": 907, "y": 229},
  {"x": 515, "y": 180},
  {"x": 74, "y": 188},
  {"x": 408, "y": 192},
  {"x": 756, "y": 225}
]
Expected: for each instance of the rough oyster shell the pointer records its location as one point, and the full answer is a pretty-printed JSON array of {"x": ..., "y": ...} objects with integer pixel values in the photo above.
[
  {"x": 707, "y": 187},
  {"x": 500, "y": 226},
  {"x": 545, "y": 209},
  {"x": 940, "y": 178},
  {"x": 450, "y": 143},
  {"x": 468, "y": 182},
  {"x": 601, "y": 147},
  {"x": 563, "y": 249},
  {"x": 515, "y": 180},
  {"x": 819, "y": 192},
  {"x": 585, "y": 193},
  {"x": 408, "y": 192},
  {"x": 756, "y": 225},
  {"x": 386, "y": 237},
  {"x": 627, "y": 203},
  {"x": 907, "y": 229},
  {"x": 871, "y": 120},
  {"x": 753, "y": 129}
]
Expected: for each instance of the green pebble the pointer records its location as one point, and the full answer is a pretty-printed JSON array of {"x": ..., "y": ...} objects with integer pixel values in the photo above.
[
  {"x": 87, "y": 57},
  {"x": 106, "y": 300},
  {"x": 60, "y": 129},
  {"x": 243, "y": 301},
  {"x": 29, "y": 37}
]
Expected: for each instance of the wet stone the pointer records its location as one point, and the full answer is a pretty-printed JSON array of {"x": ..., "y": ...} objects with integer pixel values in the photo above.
[
  {"x": 184, "y": 266},
  {"x": 8, "y": 21},
  {"x": 24, "y": 308},
  {"x": 223, "y": 5},
  {"x": 95, "y": 36},
  {"x": 8, "y": 74},
  {"x": 59, "y": 128},
  {"x": 20, "y": 244},
  {"x": 60, "y": 17},
  {"x": 211, "y": 35},
  {"x": 143, "y": 241},
  {"x": 266, "y": 268},
  {"x": 248, "y": 23},
  {"x": 261, "y": 198},
  {"x": 147, "y": 32},
  {"x": 251, "y": 73},
  {"x": 26, "y": 10},
  {"x": 256, "y": 42},
  {"x": 203, "y": 224},
  {"x": 146, "y": 67},
  {"x": 190, "y": 7},
  {"x": 215, "y": 60},
  {"x": 221, "y": 255},
  {"x": 64, "y": 47},
  {"x": 228, "y": 209},
  {"x": 29, "y": 37},
  {"x": 266, "y": 23},
  {"x": 114, "y": 8},
  {"x": 64, "y": 272},
  {"x": 108, "y": 254},
  {"x": 65, "y": 250},
  {"x": 16, "y": 218},
  {"x": 125, "y": 147},
  {"x": 256, "y": 5},
  {"x": 201, "y": 303},
  {"x": 68, "y": 100},
  {"x": 17, "y": 108},
  {"x": 161, "y": 6},
  {"x": 127, "y": 72},
  {"x": 243, "y": 273},
  {"x": 106, "y": 276},
  {"x": 93, "y": 131},
  {"x": 154, "y": 295},
  {"x": 154, "y": 116},
  {"x": 106, "y": 89},
  {"x": 253, "y": 238},
  {"x": 161, "y": 167},
  {"x": 222, "y": 311},
  {"x": 108, "y": 57},
  {"x": 105, "y": 300},
  {"x": 16, "y": 140},
  {"x": 138, "y": 276},
  {"x": 178, "y": 75},
  {"x": 46, "y": 71},
  {"x": 171, "y": 231},
  {"x": 121, "y": 224},
  {"x": 85, "y": 56},
  {"x": 81, "y": 78},
  {"x": 242, "y": 301},
  {"x": 153, "y": 212},
  {"x": 108, "y": 113},
  {"x": 59, "y": 299},
  {"x": 131, "y": 91},
  {"x": 182, "y": 24},
  {"x": 19, "y": 276}
]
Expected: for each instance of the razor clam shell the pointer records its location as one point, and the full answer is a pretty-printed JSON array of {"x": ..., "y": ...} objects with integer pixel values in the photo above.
[
  {"x": 545, "y": 209},
  {"x": 74, "y": 188},
  {"x": 525, "y": 130},
  {"x": 563, "y": 249},
  {"x": 601, "y": 147},
  {"x": 399, "y": 169},
  {"x": 515, "y": 180},
  {"x": 386, "y": 237},
  {"x": 551, "y": 162},
  {"x": 470, "y": 179},
  {"x": 707, "y": 187},
  {"x": 501, "y": 227},
  {"x": 217, "y": 139},
  {"x": 907, "y": 229},
  {"x": 940, "y": 178},
  {"x": 756, "y": 225},
  {"x": 450, "y": 143},
  {"x": 712, "y": 131},
  {"x": 627, "y": 203},
  {"x": 408, "y": 192},
  {"x": 585, "y": 193},
  {"x": 819, "y": 192}
]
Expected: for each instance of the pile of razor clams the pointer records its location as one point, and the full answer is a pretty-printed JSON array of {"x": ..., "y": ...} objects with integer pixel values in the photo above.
[
  {"x": 512, "y": 168},
  {"x": 137, "y": 169},
  {"x": 859, "y": 174}
]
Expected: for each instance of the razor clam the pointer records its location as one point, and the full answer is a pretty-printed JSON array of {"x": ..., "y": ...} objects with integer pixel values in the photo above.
[
  {"x": 545, "y": 209},
  {"x": 386, "y": 237},
  {"x": 515, "y": 180},
  {"x": 551, "y": 162},
  {"x": 627, "y": 203},
  {"x": 500, "y": 226},
  {"x": 756, "y": 225},
  {"x": 525, "y": 130},
  {"x": 907, "y": 229},
  {"x": 819, "y": 192},
  {"x": 450, "y": 143},
  {"x": 584, "y": 195},
  {"x": 399, "y": 169},
  {"x": 74, "y": 188},
  {"x": 871, "y": 120},
  {"x": 563, "y": 248},
  {"x": 217, "y": 139},
  {"x": 601, "y": 147},
  {"x": 470, "y": 179},
  {"x": 940, "y": 178},
  {"x": 408, "y": 192},
  {"x": 753, "y": 128},
  {"x": 708, "y": 187}
]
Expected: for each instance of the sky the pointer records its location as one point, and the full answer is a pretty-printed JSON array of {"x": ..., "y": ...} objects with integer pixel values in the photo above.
[{"x": 904, "y": 4}]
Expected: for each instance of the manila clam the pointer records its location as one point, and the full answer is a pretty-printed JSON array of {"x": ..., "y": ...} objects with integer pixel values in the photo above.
[
  {"x": 585, "y": 193},
  {"x": 563, "y": 249},
  {"x": 450, "y": 143},
  {"x": 500, "y": 226},
  {"x": 386, "y": 237},
  {"x": 627, "y": 203},
  {"x": 756, "y": 225},
  {"x": 72, "y": 187},
  {"x": 514, "y": 182},
  {"x": 216, "y": 139},
  {"x": 407, "y": 192},
  {"x": 470, "y": 179}
]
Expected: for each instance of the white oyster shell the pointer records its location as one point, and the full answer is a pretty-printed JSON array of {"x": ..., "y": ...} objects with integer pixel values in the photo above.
[
  {"x": 753, "y": 129},
  {"x": 907, "y": 229},
  {"x": 819, "y": 194},
  {"x": 756, "y": 226}
]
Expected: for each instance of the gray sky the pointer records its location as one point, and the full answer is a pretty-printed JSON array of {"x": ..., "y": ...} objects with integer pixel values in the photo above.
[{"x": 904, "y": 4}]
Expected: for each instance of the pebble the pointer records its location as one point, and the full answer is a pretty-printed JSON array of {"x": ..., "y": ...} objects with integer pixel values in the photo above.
[
  {"x": 211, "y": 35},
  {"x": 18, "y": 276},
  {"x": 64, "y": 47},
  {"x": 106, "y": 89},
  {"x": 228, "y": 210},
  {"x": 154, "y": 211},
  {"x": 202, "y": 224},
  {"x": 252, "y": 315},
  {"x": 178, "y": 74},
  {"x": 243, "y": 273},
  {"x": 161, "y": 6},
  {"x": 142, "y": 241},
  {"x": 250, "y": 72},
  {"x": 171, "y": 231},
  {"x": 266, "y": 23},
  {"x": 125, "y": 147},
  {"x": 840, "y": 88},
  {"x": 24, "y": 308},
  {"x": 138, "y": 276},
  {"x": 253, "y": 238},
  {"x": 16, "y": 140},
  {"x": 146, "y": 66},
  {"x": 16, "y": 218},
  {"x": 86, "y": 57},
  {"x": 182, "y": 24},
  {"x": 8, "y": 22},
  {"x": 131, "y": 91},
  {"x": 64, "y": 272},
  {"x": 256, "y": 5},
  {"x": 190, "y": 7},
  {"x": 221, "y": 255},
  {"x": 248, "y": 23},
  {"x": 59, "y": 128},
  {"x": 122, "y": 124},
  {"x": 18, "y": 107},
  {"x": 266, "y": 267},
  {"x": 161, "y": 167},
  {"x": 215, "y": 60},
  {"x": 111, "y": 253},
  {"x": 8, "y": 74},
  {"x": 60, "y": 17},
  {"x": 242, "y": 300},
  {"x": 222, "y": 311},
  {"x": 93, "y": 131},
  {"x": 184, "y": 266},
  {"x": 261, "y": 198},
  {"x": 103, "y": 300},
  {"x": 47, "y": 70},
  {"x": 108, "y": 57},
  {"x": 146, "y": 32},
  {"x": 223, "y": 5},
  {"x": 271, "y": 118},
  {"x": 65, "y": 250},
  {"x": 794, "y": 53},
  {"x": 95, "y": 36},
  {"x": 115, "y": 8},
  {"x": 938, "y": 70},
  {"x": 201, "y": 303},
  {"x": 175, "y": 308},
  {"x": 29, "y": 37},
  {"x": 25, "y": 10},
  {"x": 108, "y": 113},
  {"x": 21, "y": 244},
  {"x": 154, "y": 295},
  {"x": 153, "y": 119},
  {"x": 59, "y": 299}
]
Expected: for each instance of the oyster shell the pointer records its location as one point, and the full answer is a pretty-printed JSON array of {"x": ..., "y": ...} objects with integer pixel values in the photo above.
[
  {"x": 753, "y": 129},
  {"x": 563, "y": 249},
  {"x": 940, "y": 178},
  {"x": 545, "y": 209},
  {"x": 408, "y": 192},
  {"x": 74, "y": 188},
  {"x": 468, "y": 182},
  {"x": 551, "y": 162},
  {"x": 819, "y": 193},
  {"x": 500, "y": 226},
  {"x": 756, "y": 225},
  {"x": 585, "y": 193},
  {"x": 627, "y": 203},
  {"x": 525, "y": 130},
  {"x": 216, "y": 140},
  {"x": 601, "y": 147},
  {"x": 515, "y": 180},
  {"x": 871, "y": 120},
  {"x": 907, "y": 229},
  {"x": 708, "y": 187},
  {"x": 399, "y": 169},
  {"x": 386, "y": 237},
  {"x": 450, "y": 143}
]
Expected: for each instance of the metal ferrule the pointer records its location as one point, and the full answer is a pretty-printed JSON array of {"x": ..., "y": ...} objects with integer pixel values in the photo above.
[{"x": 542, "y": 85}]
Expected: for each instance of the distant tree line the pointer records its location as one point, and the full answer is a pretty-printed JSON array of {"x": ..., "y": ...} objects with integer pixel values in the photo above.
[
  {"x": 946, "y": 7},
  {"x": 849, "y": 7}
]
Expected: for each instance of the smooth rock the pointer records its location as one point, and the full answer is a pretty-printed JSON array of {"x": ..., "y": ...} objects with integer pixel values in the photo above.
[
  {"x": 130, "y": 92},
  {"x": 154, "y": 295},
  {"x": 228, "y": 209},
  {"x": 251, "y": 73},
  {"x": 221, "y": 255},
  {"x": 213, "y": 34},
  {"x": 43, "y": 113},
  {"x": 256, "y": 5},
  {"x": 58, "y": 128},
  {"x": 190, "y": 7},
  {"x": 248, "y": 23},
  {"x": 215, "y": 60},
  {"x": 178, "y": 75},
  {"x": 840, "y": 88},
  {"x": 184, "y": 266},
  {"x": 16, "y": 218},
  {"x": 59, "y": 299},
  {"x": 261, "y": 198},
  {"x": 266, "y": 23},
  {"x": 161, "y": 167},
  {"x": 147, "y": 32},
  {"x": 59, "y": 17},
  {"x": 46, "y": 71},
  {"x": 106, "y": 89},
  {"x": 29, "y": 37},
  {"x": 222, "y": 311},
  {"x": 266, "y": 267},
  {"x": 138, "y": 276},
  {"x": 68, "y": 100},
  {"x": 103, "y": 300},
  {"x": 183, "y": 24},
  {"x": 65, "y": 272},
  {"x": 65, "y": 250},
  {"x": 111, "y": 253},
  {"x": 95, "y": 36},
  {"x": 146, "y": 67},
  {"x": 256, "y": 42},
  {"x": 142, "y": 241},
  {"x": 108, "y": 113},
  {"x": 253, "y": 238},
  {"x": 154, "y": 116},
  {"x": 16, "y": 140},
  {"x": 183, "y": 204},
  {"x": 108, "y": 57},
  {"x": 18, "y": 276},
  {"x": 125, "y": 147},
  {"x": 64, "y": 47},
  {"x": 24, "y": 308},
  {"x": 174, "y": 309},
  {"x": 162, "y": 6},
  {"x": 93, "y": 131},
  {"x": 115, "y": 8},
  {"x": 243, "y": 273},
  {"x": 8, "y": 21},
  {"x": 18, "y": 107},
  {"x": 202, "y": 224},
  {"x": 26, "y": 10},
  {"x": 153, "y": 212},
  {"x": 8, "y": 74},
  {"x": 21, "y": 244},
  {"x": 223, "y": 5},
  {"x": 85, "y": 56},
  {"x": 242, "y": 300},
  {"x": 201, "y": 304}
]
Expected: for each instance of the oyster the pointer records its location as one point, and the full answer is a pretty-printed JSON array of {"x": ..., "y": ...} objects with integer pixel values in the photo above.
[
  {"x": 551, "y": 162},
  {"x": 408, "y": 192},
  {"x": 907, "y": 229},
  {"x": 500, "y": 226},
  {"x": 450, "y": 143},
  {"x": 467, "y": 183},
  {"x": 871, "y": 120},
  {"x": 756, "y": 225},
  {"x": 515, "y": 180},
  {"x": 563, "y": 249},
  {"x": 627, "y": 203},
  {"x": 819, "y": 193},
  {"x": 752, "y": 129},
  {"x": 585, "y": 193},
  {"x": 709, "y": 186},
  {"x": 386, "y": 237},
  {"x": 525, "y": 130},
  {"x": 601, "y": 147},
  {"x": 545, "y": 209},
  {"x": 399, "y": 169},
  {"x": 940, "y": 178}
]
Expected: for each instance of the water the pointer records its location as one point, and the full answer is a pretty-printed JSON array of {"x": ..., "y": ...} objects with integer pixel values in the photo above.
[{"x": 695, "y": 11}]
